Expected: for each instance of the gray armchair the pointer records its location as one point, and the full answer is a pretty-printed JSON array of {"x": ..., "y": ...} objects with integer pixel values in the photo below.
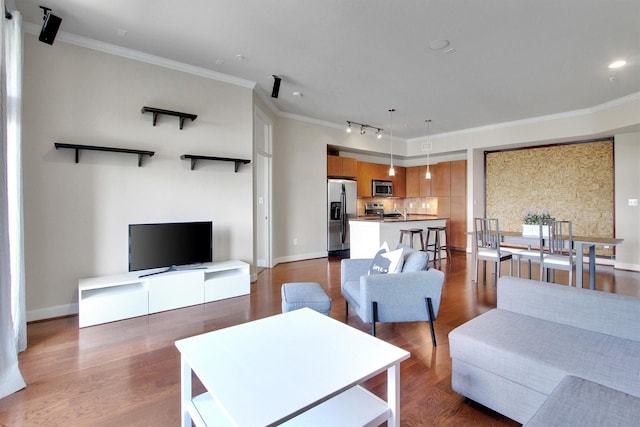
[{"x": 408, "y": 296}]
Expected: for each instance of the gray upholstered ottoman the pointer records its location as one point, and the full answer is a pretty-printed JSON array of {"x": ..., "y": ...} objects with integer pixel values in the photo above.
[
  {"x": 305, "y": 294},
  {"x": 579, "y": 402}
]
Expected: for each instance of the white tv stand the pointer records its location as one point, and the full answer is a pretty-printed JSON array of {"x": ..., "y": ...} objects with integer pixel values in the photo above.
[{"x": 109, "y": 298}]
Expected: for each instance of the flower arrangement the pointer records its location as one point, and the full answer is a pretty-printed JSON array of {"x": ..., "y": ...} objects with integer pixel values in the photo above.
[{"x": 533, "y": 217}]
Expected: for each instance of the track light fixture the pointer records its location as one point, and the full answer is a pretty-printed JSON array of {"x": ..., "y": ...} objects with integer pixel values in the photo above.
[
  {"x": 276, "y": 86},
  {"x": 363, "y": 128},
  {"x": 50, "y": 26}
]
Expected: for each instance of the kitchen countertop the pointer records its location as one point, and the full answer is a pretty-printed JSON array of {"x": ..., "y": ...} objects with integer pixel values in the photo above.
[
  {"x": 410, "y": 217},
  {"x": 369, "y": 233}
]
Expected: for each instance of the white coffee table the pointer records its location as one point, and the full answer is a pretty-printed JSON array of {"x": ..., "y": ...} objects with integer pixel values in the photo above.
[{"x": 300, "y": 367}]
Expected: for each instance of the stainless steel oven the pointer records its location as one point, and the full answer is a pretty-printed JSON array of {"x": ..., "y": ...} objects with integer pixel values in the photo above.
[{"x": 381, "y": 188}]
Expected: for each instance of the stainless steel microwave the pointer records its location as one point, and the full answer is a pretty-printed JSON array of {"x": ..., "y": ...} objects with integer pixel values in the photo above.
[{"x": 381, "y": 188}]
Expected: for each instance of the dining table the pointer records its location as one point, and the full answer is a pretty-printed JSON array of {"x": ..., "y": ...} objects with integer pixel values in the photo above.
[{"x": 580, "y": 244}]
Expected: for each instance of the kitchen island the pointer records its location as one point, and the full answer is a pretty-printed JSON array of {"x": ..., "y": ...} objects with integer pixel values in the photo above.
[{"x": 369, "y": 233}]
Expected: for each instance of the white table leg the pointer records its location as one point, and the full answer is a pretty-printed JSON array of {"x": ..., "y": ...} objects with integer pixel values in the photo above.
[
  {"x": 185, "y": 392},
  {"x": 579, "y": 255},
  {"x": 393, "y": 395}
]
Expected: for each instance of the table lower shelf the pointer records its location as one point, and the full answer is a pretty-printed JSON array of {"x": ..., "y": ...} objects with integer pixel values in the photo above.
[{"x": 354, "y": 407}]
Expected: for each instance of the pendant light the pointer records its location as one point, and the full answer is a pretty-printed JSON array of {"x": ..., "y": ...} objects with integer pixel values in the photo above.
[
  {"x": 392, "y": 171},
  {"x": 428, "y": 174}
]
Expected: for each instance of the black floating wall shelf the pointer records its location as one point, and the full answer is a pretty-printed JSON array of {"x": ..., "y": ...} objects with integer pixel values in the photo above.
[
  {"x": 157, "y": 111},
  {"x": 77, "y": 147},
  {"x": 195, "y": 158}
]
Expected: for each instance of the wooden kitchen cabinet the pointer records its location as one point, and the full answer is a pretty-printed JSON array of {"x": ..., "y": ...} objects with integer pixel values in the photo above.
[
  {"x": 399, "y": 182},
  {"x": 366, "y": 172},
  {"x": 458, "y": 178},
  {"x": 370, "y": 171},
  {"x": 416, "y": 183},
  {"x": 425, "y": 184},
  {"x": 342, "y": 166},
  {"x": 349, "y": 167},
  {"x": 458, "y": 221},
  {"x": 449, "y": 184},
  {"x": 441, "y": 179},
  {"x": 412, "y": 188},
  {"x": 334, "y": 165}
]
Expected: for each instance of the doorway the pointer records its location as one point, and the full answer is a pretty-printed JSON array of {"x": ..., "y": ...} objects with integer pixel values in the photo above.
[{"x": 263, "y": 146}]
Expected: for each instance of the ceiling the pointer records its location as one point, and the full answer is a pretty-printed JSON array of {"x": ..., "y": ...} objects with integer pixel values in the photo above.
[{"x": 356, "y": 59}]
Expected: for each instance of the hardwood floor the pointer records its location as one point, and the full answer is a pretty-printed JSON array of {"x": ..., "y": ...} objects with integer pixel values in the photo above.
[{"x": 126, "y": 373}]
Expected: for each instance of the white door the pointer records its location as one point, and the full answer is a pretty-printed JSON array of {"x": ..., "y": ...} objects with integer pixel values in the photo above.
[{"x": 262, "y": 141}]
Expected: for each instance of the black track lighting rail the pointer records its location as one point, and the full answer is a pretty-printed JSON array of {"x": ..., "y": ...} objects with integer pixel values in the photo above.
[{"x": 363, "y": 127}]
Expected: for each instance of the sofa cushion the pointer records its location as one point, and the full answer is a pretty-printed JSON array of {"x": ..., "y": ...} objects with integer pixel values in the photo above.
[
  {"x": 579, "y": 402},
  {"x": 413, "y": 260},
  {"x": 596, "y": 311},
  {"x": 538, "y": 354}
]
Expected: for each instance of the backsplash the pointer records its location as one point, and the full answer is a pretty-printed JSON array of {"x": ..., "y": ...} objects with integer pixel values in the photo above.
[{"x": 418, "y": 205}]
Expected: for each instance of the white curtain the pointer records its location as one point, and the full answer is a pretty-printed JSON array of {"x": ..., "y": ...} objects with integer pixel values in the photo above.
[{"x": 12, "y": 297}]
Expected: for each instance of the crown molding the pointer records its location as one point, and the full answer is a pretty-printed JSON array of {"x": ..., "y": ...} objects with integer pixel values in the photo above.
[
  {"x": 540, "y": 119},
  {"x": 310, "y": 120},
  {"x": 266, "y": 99},
  {"x": 136, "y": 55},
  {"x": 112, "y": 49}
]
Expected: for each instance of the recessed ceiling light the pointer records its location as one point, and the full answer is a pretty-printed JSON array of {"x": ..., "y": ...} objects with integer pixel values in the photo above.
[
  {"x": 618, "y": 64},
  {"x": 438, "y": 44},
  {"x": 240, "y": 57},
  {"x": 219, "y": 61},
  {"x": 297, "y": 93}
]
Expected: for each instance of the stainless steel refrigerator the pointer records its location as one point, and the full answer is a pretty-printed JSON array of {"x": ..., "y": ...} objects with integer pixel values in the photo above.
[{"x": 341, "y": 206}]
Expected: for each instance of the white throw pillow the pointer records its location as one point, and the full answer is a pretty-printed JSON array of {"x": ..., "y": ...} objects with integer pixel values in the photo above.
[{"x": 386, "y": 262}]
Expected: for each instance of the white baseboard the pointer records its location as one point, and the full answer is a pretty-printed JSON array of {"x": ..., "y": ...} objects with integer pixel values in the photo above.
[
  {"x": 51, "y": 312},
  {"x": 625, "y": 266},
  {"x": 69, "y": 309},
  {"x": 299, "y": 257}
]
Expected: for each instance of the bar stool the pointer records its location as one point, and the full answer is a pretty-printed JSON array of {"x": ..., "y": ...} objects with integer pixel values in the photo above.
[
  {"x": 411, "y": 232},
  {"x": 437, "y": 246}
]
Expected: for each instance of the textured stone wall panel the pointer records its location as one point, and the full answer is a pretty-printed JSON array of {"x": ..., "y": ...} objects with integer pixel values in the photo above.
[{"x": 573, "y": 181}]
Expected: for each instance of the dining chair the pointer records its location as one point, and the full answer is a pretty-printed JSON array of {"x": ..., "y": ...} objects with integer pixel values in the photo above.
[
  {"x": 561, "y": 254},
  {"x": 486, "y": 246},
  {"x": 531, "y": 255}
]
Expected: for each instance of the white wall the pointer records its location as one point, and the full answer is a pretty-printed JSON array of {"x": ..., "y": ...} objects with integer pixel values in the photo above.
[
  {"x": 300, "y": 185},
  {"x": 76, "y": 215},
  {"x": 300, "y": 190},
  {"x": 627, "y": 186},
  {"x": 300, "y": 172}
]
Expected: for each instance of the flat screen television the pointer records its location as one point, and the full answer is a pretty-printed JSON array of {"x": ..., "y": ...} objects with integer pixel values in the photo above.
[{"x": 169, "y": 244}]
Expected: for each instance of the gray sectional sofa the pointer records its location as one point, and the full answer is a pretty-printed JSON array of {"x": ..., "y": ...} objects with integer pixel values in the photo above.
[{"x": 512, "y": 357}]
